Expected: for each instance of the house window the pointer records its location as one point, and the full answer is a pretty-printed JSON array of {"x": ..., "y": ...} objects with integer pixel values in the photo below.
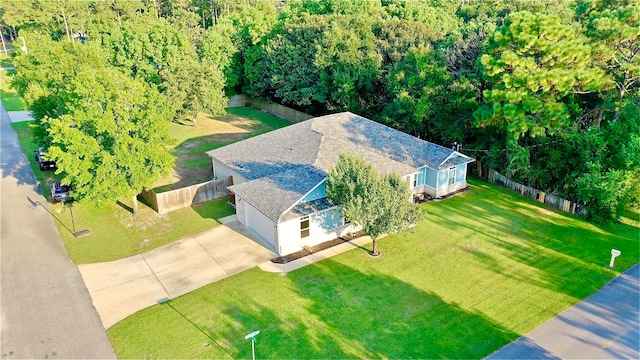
[
  {"x": 415, "y": 180},
  {"x": 452, "y": 175},
  {"x": 304, "y": 227}
]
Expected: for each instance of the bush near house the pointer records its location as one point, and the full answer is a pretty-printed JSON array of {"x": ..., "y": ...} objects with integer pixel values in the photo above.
[{"x": 480, "y": 269}]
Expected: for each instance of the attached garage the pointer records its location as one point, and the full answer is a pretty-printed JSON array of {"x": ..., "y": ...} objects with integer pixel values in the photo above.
[
  {"x": 278, "y": 177},
  {"x": 261, "y": 224}
]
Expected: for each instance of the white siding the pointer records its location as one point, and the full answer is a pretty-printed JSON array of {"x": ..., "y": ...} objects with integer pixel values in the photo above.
[
  {"x": 222, "y": 171},
  {"x": 261, "y": 224},
  {"x": 289, "y": 233},
  {"x": 289, "y": 237},
  {"x": 240, "y": 211}
]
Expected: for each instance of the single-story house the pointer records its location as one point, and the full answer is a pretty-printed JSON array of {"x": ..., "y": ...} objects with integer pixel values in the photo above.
[{"x": 277, "y": 179}]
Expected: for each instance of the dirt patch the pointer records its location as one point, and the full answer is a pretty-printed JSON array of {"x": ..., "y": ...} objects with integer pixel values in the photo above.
[
  {"x": 544, "y": 211},
  {"x": 316, "y": 248},
  {"x": 193, "y": 165},
  {"x": 183, "y": 177}
]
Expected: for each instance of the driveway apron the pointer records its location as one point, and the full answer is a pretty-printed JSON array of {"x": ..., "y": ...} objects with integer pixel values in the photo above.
[
  {"x": 45, "y": 309},
  {"x": 122, "y": 287}
]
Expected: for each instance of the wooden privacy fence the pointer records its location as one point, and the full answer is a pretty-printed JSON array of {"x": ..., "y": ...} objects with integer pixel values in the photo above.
[
  {"x": 165, "y": 202},
  {"x": 550, "y": 199},
  {"x": 238, "y": 100},
  {"x": 272, "y": 108},
  {"x": 168, "y": 201}
]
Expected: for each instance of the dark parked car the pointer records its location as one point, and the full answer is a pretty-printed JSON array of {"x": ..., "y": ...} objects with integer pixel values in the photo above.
[
  {"x": 43, "y": 162},
  {"x": 60, "y": 193}
]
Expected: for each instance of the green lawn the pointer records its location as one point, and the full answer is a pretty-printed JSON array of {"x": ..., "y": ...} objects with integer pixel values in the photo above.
[
  {"x": 10, "y": 98},
  {"x": 191, "y": 143},
  {"x": 251, "y": 120},
  {"x": 115, "y": 232},
  {"x": 480, "y": 270}
]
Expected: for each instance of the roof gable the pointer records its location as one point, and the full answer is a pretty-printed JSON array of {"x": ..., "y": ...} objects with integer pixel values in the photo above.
[
  {"x": 275, "y": 194},
  {"x": 283, "y": 165}
]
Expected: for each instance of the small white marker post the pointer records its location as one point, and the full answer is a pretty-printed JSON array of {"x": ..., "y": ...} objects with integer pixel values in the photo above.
[
  {"x": 252, "y": 336},
  {"x": 614, "y": 254}
]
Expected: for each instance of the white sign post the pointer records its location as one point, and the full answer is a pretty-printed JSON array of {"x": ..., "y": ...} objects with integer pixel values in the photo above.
[
  {"x": 614, "y": 254},
  {"x": 252, "y": 336}
]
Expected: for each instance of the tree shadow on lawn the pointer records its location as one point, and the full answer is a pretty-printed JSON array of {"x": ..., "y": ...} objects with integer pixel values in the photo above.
[
  {"x": 553, "y": 265},
  {"x": 344, "y": 313},
  {"x": 254, "y": 120},
  {"x": 555, "y": 246},
  {"x": 191, "y": 157},
  {"x": 280, "y": 338},
  {"x": 382, "y": 317}
]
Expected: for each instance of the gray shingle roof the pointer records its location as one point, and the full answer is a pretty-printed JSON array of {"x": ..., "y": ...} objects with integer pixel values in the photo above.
[
  {"x": 276, "y": 161},
  {"x": 273, "y": 195},
  {"x": 308, "y": 208}
]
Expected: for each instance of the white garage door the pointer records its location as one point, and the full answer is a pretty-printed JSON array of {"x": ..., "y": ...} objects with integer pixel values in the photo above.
[{"x": 260, "y": 224}]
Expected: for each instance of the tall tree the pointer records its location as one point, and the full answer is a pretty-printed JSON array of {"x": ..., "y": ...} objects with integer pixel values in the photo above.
[
  {"x": 282, "y": 66},
  {"x": 613, "y": 27},
  {"x": 379, "y": 203},
  {"x": 535, "y": 63},
  {"x": 536, "y": 66},
  {"x": 192, "y": 87},
  {"x": 349, "y": 63},
  {"x": 217, "y": 48},
  {"x": 144, "y": 44},
  {"x": 113, "y": 142}
]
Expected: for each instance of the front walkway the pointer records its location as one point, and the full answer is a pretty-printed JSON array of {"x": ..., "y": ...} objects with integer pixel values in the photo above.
[
  {"x": 122, "y": 287},
  {"x": 20, "y": 116}
]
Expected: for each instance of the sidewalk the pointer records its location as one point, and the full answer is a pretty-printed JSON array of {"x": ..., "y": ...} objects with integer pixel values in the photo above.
[{"x": 19, "y": 116}]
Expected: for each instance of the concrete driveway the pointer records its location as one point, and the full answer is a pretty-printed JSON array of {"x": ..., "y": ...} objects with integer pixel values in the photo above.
[{"x": 122, "y": 287}]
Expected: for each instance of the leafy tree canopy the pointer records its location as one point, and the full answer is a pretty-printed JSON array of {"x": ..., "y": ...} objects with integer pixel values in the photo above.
[
  {"x": 536, "y": 63},
  {"x": 379, "y": 203},
  {"x": 113, "y": 141}
]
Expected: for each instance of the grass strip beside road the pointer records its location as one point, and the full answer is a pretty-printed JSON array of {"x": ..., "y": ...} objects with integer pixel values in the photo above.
[
  {"x": 481, "y": 269},
  {"x": 10, "y": 98},
  {"x": 116, "y": 233}
]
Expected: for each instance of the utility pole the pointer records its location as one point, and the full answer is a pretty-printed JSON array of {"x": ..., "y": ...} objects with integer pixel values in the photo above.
[{"x": 4, "y": 46}]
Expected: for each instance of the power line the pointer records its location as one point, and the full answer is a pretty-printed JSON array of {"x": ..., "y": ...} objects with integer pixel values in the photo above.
[{"x": 498, "y": 150}]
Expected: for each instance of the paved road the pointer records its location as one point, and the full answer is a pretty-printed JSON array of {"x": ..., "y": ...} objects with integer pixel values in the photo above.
[
  {"x": 603, "y": 326},
  {"x": 45, "y": 309}
]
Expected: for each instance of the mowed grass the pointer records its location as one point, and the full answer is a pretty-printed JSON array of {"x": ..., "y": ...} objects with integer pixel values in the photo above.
[
  {"x": 481, "y": 269},
  {"x": 116, "y": 233},
  {"x": 10, "y": 98},
  {"x": 250, "y": 120},
  {"x": 191, "y": 143}
]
